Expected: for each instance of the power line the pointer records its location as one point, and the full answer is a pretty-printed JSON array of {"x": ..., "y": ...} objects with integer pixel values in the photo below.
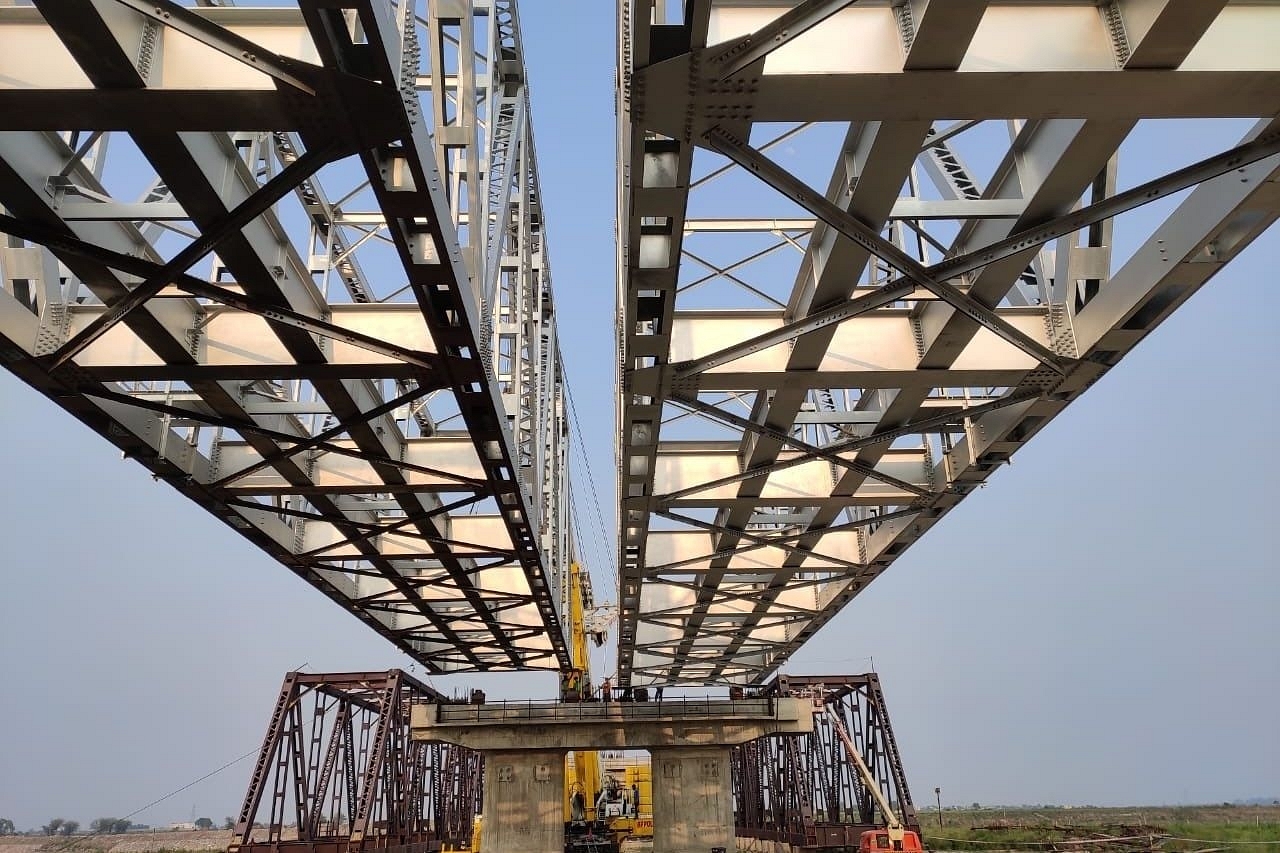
[
  {"x": 177, "y": 791},
  {"x": 156, "y": 802}
]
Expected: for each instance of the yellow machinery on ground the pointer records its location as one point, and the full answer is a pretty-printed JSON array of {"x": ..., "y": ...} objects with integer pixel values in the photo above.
[
  {"x": 629, "y": 808},
  {"x": 582, "y": 769},
  {"x": 608, "y": 798}
]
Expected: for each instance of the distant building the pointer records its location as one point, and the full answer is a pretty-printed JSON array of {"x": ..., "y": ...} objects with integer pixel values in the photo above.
[{"x": 184, "y": 826}]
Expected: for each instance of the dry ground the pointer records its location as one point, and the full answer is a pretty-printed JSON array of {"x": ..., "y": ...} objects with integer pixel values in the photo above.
[
  {"x": 132, "y": 842},
  {"x": 1170, "y": 829},
  {"x": 1244, "y": 829}
]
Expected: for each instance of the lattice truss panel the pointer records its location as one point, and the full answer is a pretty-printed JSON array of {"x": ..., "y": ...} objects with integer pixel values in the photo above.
[
  {"x": 292, "y": 260},
  {"x": 338, "y": 770},
  {"x": 868, "y": 250},
  {"x": 805, "y": 790}
]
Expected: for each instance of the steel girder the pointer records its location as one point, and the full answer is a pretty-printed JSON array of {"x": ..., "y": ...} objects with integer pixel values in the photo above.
[
  {"x": 292, "y": 260},
  {"x": 812, "y": 377}
]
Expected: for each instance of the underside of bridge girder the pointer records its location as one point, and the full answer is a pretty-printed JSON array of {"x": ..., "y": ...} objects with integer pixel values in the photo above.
[
  {"x": 867, "y": 251},
  {"x": 292, "y": 260}
]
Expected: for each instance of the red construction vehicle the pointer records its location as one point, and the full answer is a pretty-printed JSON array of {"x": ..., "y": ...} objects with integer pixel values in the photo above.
[{"x": 894, "y": 837}]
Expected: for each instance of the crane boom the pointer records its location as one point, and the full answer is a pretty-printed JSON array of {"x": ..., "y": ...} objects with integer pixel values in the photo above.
[
  {"x": 575, "y": 686},
  {"x": 894, "y": 823}
]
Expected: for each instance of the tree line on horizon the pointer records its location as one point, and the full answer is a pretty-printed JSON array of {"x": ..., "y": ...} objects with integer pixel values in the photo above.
[{"x": 100, "y": 826}]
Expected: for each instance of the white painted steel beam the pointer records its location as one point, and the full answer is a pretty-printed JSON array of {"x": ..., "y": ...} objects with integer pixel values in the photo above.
[
  {"x": 277, "y": 383},
  {"x": 743, "y": 421}
]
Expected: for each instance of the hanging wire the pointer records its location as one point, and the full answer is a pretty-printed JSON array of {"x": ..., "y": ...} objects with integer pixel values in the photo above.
[{"x": 610, "y": 559}]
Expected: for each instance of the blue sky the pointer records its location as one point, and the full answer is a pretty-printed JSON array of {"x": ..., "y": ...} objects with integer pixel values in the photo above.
[{"x": 1098, "y": 625}]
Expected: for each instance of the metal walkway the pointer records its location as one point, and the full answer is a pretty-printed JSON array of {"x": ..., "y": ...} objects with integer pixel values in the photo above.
[{"x": 834, "y": 327}]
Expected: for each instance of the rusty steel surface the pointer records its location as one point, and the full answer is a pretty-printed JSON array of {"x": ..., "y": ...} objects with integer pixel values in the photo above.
[
  {"x": 337, "y": 766},
  {"x": 803, "y": 790}
]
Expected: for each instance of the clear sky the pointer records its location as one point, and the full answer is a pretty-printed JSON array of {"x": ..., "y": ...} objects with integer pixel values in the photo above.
[{"x": 1099, "y": 625}]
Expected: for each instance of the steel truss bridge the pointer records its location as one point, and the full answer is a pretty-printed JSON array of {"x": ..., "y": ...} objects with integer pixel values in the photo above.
[
  {"x": 338, "y": 772},
  {"x": 293, "y": 261}
]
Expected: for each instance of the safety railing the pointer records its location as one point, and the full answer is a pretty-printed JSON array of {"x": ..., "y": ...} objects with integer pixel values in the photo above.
[{"x": 682, "y": 709}]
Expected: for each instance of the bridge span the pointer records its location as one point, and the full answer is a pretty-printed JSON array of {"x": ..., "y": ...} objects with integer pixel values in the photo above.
[
  {"x": 293, "y": 260},
  {"x": 928, "y": 192}
]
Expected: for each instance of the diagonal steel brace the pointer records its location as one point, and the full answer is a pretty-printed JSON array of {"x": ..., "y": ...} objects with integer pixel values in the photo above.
[{"x": 847, "y": 224}]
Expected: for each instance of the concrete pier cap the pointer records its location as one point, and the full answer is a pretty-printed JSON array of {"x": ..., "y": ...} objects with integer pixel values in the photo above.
[
  {"x": 524, "y": 745},
  {"x": 514, "y": 726}
]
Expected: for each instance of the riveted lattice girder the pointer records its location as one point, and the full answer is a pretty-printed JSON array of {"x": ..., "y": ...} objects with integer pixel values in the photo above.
[
  {"x": 292, "y": 260},
  {"x": 866, "y": 252}
]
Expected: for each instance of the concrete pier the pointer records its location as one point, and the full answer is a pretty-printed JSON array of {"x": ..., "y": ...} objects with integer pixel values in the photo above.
[
  {"x": 525, "y": 743},
  {"x": 523, "y": 802},
  {"x": 692, "y": 800}
]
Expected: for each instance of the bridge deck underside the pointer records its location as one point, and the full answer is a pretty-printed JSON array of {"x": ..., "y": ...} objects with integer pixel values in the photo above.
[
  {"x": 248, "y": 248},
  {"x": 867, "y": 252}
]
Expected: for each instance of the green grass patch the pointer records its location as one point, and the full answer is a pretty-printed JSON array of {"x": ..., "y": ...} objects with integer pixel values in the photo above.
[{"x": 1180, "y": 829}]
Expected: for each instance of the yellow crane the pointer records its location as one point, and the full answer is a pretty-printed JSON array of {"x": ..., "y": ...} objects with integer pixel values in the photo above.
[
  {"x": 582, "y": 768},
  {"x": 585, "y": 830},
  {"x": 605, "y": 801},
  {"x": 603, "y": 805}
]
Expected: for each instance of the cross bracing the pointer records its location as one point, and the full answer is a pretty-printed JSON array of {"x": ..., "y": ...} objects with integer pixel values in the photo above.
[
  {"x": 292, "y": 261},
  {"x": 868, "y": 250}
]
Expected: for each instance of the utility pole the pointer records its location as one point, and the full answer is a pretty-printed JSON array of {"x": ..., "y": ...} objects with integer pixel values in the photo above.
[{"x": 937, "y": 792}]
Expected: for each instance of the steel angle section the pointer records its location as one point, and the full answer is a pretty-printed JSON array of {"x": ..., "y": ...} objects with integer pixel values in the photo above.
[
  {"x": 403, "y": 545},
  {"x": 663, "y": 600},
  {"x": 237, "y": 337},
  {"x": 1016, "y": 60},
  {"x": 880, "y": 344},
  {"x": 405, "y": 178},
  {"x": 439, "y": 462},
  {"x": 692, "y": 475}
]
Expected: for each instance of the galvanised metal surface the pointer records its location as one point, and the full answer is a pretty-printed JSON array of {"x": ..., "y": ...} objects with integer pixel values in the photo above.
[
  {"x": 292, "y": 260},
  {"x": 338, "y": 769},
  {"x": 867, "y": 251}
]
